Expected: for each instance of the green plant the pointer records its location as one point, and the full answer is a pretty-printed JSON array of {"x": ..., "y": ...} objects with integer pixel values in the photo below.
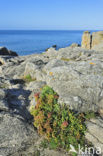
[
  {"x": 60, "y": 126},
  {"x": 28, "y": 78}
]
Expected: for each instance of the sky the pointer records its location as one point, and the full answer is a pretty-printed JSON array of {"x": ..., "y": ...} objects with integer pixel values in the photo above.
[{"x": 51, "y": 14}]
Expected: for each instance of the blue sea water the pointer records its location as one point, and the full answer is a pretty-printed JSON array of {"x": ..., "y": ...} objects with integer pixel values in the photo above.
[{"x": 26, "y": 42}]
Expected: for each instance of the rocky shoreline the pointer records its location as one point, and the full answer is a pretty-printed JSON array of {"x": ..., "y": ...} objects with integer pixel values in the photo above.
[{"x": 75, "y": 73}]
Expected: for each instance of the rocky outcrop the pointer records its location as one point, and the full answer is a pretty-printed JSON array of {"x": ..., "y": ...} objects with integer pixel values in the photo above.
[
  {"x": 86, "y": 40},
  {"x": 5, "y": 51},
  {"x": 76, "y": 78},
  {"x": 16, "y": 133},
  {"x": 97, "y": 41},
  {"x": 92, "y": 41},
  {"x": 76, "y": 74}
]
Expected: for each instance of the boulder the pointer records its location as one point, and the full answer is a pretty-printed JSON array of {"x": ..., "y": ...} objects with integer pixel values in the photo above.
[
  {"x": 34, "y": 68},
  {"x": 5, "y": 51},
  {"x": 54, "y": 46},
  {"x": 75, "y": 88},
  {"x": 77, "y": 76},
  {"x": 31, "y": 69}
]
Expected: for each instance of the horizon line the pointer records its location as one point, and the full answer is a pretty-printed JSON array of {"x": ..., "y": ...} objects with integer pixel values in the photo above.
[{"x": 52, "y": 29}]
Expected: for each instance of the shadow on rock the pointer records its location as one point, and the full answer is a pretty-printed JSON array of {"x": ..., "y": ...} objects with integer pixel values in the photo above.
[{"x": 18, "y": 102}]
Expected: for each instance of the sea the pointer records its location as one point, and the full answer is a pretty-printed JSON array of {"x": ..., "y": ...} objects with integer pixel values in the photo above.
[{"x": 26, "y": 42}]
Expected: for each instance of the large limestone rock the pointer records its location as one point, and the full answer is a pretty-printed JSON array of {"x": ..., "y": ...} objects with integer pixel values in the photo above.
[
  {"x": 86, "y": 40},
  {"x": 79, "y": 90},
  {"x": 97, "y": 41},
  {"x": 76, "y": 75},
  {"x": 93, "y": 41}
]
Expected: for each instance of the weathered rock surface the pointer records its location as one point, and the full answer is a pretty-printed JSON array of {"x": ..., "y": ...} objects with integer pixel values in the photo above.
[
  {"x": 93, "y": 41},
  {"x": 15, "y": 134},
  {"x": 76, "y": 74},
  {"x": 86, "y": 40},
  {"x": 95, "y": 132},
  {"x": 97, "y": 41},
  {"x": 16, "y": 131}
]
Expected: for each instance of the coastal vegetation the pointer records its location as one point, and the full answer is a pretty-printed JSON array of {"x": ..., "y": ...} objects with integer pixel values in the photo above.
[{"x": 60, "y": 126}]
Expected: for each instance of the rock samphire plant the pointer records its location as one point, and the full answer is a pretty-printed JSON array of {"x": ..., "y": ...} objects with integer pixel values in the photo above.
[{"x": 60, "y": 126}]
